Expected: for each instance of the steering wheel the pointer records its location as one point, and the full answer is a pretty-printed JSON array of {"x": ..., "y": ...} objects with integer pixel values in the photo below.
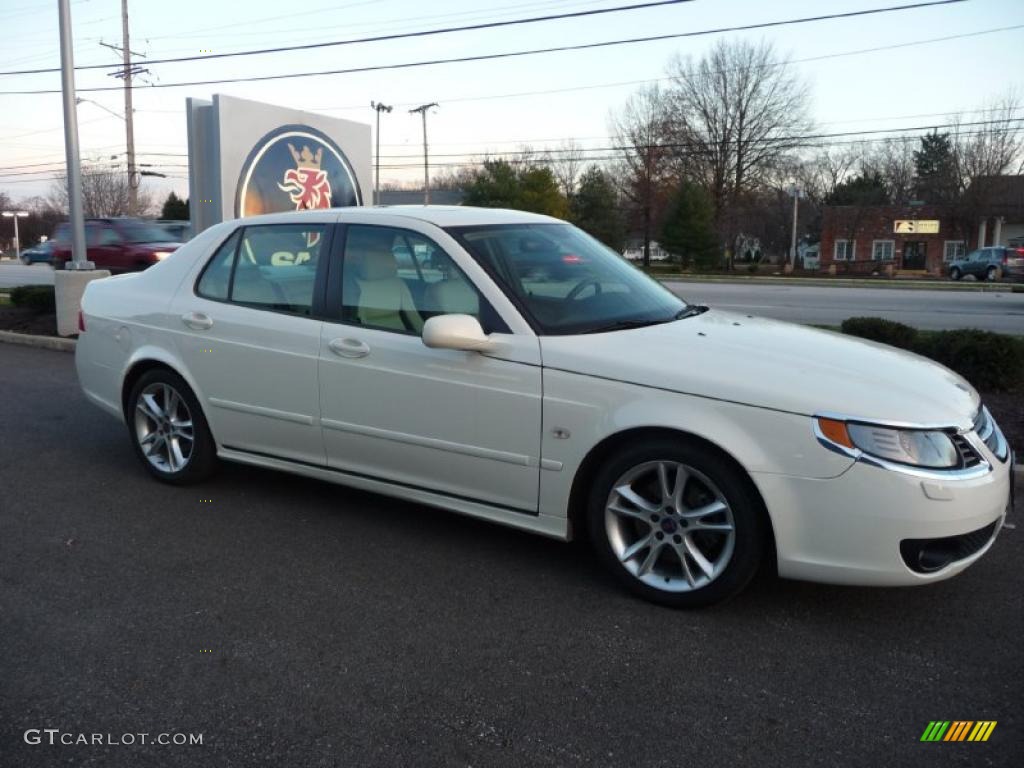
[{"x": 586, "y": 283}]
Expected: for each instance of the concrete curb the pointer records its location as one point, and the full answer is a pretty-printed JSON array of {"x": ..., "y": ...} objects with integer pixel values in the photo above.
[{"x": 43, "y": 342}]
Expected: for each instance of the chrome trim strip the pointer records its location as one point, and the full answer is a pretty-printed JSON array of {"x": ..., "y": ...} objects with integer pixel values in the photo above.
[
  {"x": 551, "y": 464},
  {"x": 893, "y": 424},
  {"x": 258, "y": 410},
  {"x": 430, "y": 442}
]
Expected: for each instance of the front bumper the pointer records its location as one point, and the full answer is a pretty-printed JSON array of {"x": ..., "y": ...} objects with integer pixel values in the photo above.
[{"x": 849, "y": 529}]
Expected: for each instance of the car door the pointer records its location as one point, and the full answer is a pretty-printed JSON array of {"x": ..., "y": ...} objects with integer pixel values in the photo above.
[
  {"x": 249, "y": 335},
  {"x": 464, "y": 424},
  {"x": 979, "y": 262}
]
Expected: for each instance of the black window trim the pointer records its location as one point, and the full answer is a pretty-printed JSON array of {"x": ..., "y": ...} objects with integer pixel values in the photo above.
[
  {"x": 317, "y": 310},
  {"x": 334, "y": 290}
]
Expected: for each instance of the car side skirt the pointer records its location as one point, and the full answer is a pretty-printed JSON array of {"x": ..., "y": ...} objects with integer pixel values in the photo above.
[{"x": 545, "y": 525}]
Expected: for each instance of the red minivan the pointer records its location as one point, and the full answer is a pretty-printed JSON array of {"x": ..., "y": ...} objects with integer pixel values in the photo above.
[{"x": 117, "y": 244}]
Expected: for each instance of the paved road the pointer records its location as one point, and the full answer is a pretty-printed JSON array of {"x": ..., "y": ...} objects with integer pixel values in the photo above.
[
  {"x": 345, "y": 629},
  {"x": 1000, "y": 311},
  {"x": 13, "y": 274}
]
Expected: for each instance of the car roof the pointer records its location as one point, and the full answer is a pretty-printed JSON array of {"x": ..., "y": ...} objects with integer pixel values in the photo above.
[{"x": 440, "y": 215}]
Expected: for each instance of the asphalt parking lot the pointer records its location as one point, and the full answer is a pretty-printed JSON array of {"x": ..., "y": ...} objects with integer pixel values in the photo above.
[{"x": 296, "y": 623}]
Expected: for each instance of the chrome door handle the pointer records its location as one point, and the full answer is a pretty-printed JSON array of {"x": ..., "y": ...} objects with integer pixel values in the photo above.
[
  {"x": 197, "y": 321},
  {"x": 349, "y": 347}
]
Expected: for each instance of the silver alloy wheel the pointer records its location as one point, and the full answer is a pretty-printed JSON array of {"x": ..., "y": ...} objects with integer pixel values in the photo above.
[
  {"x": 163, "y": 427},
  {"x": 670, "y": 526}
]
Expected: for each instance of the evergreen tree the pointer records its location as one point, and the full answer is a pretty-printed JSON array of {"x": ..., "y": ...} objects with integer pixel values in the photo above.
[
  {"x": 689, "y": 227},
  {"x": 935, "y": 169},
  {"x": 175, "y": 209},
  {"x": 595, "y": 209},
  {"x": 499, "y": 184},
  {"x": 863, "y": 189}
]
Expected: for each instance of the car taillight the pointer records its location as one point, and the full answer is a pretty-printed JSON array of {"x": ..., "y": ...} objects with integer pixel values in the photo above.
[{"x": 81, "y": 322}]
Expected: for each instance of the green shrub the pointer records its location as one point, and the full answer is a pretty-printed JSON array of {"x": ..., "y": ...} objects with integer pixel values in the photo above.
[
  {"x": 36, "y": 297},
  {"x": 990, "y": 361},
  {"x": 881, "y": 330}
]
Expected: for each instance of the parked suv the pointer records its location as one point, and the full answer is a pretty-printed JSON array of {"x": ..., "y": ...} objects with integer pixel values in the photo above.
[
  {"x": 118, "y": 244},
  {"x": 999, "y": 262}
]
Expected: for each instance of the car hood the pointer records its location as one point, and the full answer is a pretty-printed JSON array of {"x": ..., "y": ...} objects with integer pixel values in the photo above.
[{"x": 772, "y": 364}]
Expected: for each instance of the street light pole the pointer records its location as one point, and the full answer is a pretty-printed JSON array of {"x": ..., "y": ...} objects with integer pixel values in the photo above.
[
  {"x": 17, "y": 240},
  {"x": 79, "y": 257},
  {"x": 422, "y": 109},
  {"x": 797, "y": 194},
  {"x": 376, "y": 179}
]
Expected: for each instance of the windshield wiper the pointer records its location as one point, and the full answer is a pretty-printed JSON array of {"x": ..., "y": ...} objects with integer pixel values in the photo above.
[
  {"x": 625, "y": 325},
  {"x": 690, "y": 311}
]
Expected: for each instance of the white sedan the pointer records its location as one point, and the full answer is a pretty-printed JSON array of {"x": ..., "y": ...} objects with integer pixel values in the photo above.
[{"x": 507, "y": 366}]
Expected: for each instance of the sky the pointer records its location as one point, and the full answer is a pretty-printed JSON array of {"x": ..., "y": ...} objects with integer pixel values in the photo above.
[{"x": 484, "y": 107}]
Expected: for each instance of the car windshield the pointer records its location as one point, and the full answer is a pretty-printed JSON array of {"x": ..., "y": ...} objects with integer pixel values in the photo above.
[
  {"x": 143, "y": 232},
  {"x": 566, "y": 281}
]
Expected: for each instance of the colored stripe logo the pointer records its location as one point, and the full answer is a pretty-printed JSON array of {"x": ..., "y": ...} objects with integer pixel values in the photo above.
[{"x": 958, "y": 730}]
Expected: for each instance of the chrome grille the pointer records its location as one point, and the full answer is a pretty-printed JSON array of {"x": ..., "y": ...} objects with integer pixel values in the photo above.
[
  {"x": 989, "y": 433},
  {"x": 968, "y": 456}
]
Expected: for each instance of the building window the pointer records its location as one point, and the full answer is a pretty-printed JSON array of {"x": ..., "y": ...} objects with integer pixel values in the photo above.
[
  {"x": 953, "y": 250},
  {"x": 882, "y": 250},
  {"x": 845, "y": 250}
]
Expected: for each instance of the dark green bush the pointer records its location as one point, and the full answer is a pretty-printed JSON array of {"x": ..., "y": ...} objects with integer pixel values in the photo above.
[
  {"x": 881, "y": 330},
  {"x": 990, "y": 361},
  {"x": 36, "y": 297}
]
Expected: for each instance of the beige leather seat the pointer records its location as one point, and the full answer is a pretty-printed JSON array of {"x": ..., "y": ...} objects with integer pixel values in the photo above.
[
  {"x": 384, "y": 297},
  {"x": 452, "y": 296}
]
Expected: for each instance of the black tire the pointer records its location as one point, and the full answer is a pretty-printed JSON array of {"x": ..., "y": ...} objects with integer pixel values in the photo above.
[
  {"x": 992, "y": 274},
  {"x": 955, "y": 274},
  {"x": 202, "y": 456},
  {"x": 750, "y": 529}
]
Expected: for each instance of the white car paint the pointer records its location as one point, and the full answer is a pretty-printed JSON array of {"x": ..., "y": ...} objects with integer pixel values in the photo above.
[{"x": 502, "y": 434}]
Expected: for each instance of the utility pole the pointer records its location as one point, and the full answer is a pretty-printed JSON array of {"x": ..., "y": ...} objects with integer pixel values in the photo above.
[
  {"x": 133, "y": 180},
  {"x": 376, "y": 179},
  {"x": 422, "y": 109},
  {"x": 126, "y": 73}
]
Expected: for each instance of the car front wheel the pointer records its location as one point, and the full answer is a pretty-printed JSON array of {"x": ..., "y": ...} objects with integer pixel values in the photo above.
[
  {"x": 168, "y": 430},
  {"x": 676, "y": 524}
]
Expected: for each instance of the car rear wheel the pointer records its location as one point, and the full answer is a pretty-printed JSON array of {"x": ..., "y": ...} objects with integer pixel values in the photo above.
[
  {"x": 955, "y": 274},
  {"x": 168, "y": 430},
  {"x": 676, "y": 524},
  {"x": 992, "y": 274}
]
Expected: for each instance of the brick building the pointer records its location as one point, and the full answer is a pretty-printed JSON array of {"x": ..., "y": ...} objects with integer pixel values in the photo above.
[{"x": 920, "y": 239}]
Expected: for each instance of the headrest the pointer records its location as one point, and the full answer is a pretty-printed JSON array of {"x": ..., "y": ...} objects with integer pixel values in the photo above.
[{"x": 377, "y": 264}]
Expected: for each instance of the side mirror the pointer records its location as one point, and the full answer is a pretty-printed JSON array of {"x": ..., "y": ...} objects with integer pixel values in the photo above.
[{"x": 456, "y": 332}]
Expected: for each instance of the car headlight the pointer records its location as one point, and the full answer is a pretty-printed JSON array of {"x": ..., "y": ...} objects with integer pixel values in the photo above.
[
  {"x": 917, "y": 447},
  {"x": 161, "y": 255}
]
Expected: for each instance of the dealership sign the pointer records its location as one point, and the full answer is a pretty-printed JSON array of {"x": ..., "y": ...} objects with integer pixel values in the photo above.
[
  {"x": 295, "y": 168},
  {"x": 916, "y": 227},
  {"x": 248, "y": 158}
]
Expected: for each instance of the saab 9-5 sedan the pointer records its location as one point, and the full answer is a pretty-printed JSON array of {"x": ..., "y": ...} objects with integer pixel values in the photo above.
[{"x": 506, "y": 365}]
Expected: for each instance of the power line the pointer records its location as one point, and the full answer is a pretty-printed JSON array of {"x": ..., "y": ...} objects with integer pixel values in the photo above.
[
  {"x": 531, "y": 52},
  {"x": 399, "y": 36},
  {"x": 789, "y": 142}
]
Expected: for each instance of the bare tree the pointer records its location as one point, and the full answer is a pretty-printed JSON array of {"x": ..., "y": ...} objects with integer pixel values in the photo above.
[
  {"x": 993, "y": 149},
  {"x": 640, "y": 130},
  {"x": 104, "y": 193},
  {"x": 893, "y": 160},
  {"x": 566, "y": 163},
  {"x": 734, "y": 115}
]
